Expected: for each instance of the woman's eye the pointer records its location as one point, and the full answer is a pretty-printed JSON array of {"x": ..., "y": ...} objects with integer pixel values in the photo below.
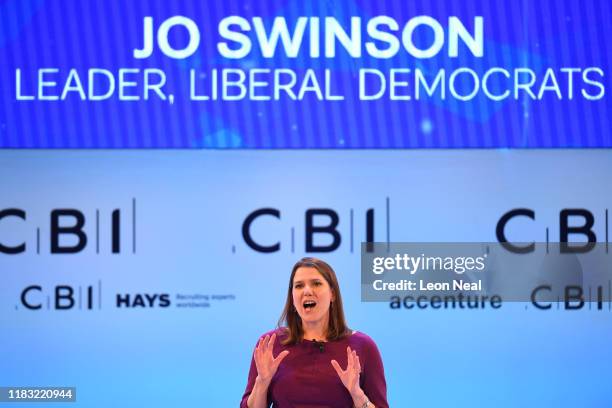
[{"x": 297, "y": 286}]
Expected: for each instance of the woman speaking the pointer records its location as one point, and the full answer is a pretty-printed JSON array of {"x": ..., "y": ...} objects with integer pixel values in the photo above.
[{"x": 313, "y": 360}]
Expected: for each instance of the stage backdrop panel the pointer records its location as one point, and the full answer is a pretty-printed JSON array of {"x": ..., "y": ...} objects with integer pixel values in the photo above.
[{"x": 162, "y": 298}]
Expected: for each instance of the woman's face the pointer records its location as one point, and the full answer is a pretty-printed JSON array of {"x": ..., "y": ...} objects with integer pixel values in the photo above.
[{"x": 312, "y": 295}]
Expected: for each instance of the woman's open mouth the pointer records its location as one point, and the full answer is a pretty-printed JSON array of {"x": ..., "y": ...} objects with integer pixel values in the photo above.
[{"x": 309, "y": 305}]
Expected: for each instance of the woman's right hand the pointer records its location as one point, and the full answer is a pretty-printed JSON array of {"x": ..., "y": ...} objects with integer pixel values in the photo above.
[{"x": 265, "y": 361}]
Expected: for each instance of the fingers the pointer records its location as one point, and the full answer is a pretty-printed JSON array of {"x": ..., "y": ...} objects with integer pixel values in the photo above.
[
  {"x": 271, "y": 341},
  {"x": 265, "y": 346},
  {"x": 352, "y": 360},
  {"x": 270, "y": 349},
  {"x": 353, "y": 367},
  {"x": 264, "y": 356},
  {"x": 357, "y": 363},
  {"x": 266, "y": 343},
  {"x": 280, "y": 357},
  {"x": 258, "y": 348},
  {"x": 336, "y": 366},
  {"x": 261, "y": 344},
  {"x": 349, "y": 358}
]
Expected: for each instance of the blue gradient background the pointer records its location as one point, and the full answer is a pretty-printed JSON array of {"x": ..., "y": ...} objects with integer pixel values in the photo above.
[
  {"x": 95, "y": 33},
  {"x": 191, "y": 205}
]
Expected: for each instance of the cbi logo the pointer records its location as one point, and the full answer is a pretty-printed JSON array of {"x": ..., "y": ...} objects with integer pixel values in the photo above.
[
  {"x": 572, "y": 297},
  {"x": 62, "y": 297},
  {"x": 572, "y": 222},
  {"x": 568, "y": 292},
  {"x": 69, "y": 231},
  {"x": 324, "y": 229}
]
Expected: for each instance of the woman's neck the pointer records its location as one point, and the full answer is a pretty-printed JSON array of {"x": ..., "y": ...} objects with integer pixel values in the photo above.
[{"x": 315, "y": 332}]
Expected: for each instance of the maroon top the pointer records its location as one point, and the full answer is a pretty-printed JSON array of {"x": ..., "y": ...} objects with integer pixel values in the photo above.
[{"x": 306, "y": 378}]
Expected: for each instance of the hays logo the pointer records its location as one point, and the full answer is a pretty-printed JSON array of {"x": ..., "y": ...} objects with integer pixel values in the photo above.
[
  {"x": 142, "y": 300},
  {"x": 578, "y": 223},
  {"x": 69, "y": 231},
  {"x": 323, "y": 229}
]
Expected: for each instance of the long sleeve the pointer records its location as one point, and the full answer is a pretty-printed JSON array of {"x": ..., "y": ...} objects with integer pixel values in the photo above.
[
  {"x": 250, "y": 384},
  {"x": 373, "y": 377},
  {"x": 253, "y": 373}
]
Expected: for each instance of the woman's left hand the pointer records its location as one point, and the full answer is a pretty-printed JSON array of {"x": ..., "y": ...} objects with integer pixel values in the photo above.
[{"x": 350, "y": 376}]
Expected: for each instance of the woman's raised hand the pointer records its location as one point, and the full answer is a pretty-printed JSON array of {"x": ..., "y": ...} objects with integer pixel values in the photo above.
[
  {"x": 266, "y": 363},
  {"x": 350, "y": 376}
]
